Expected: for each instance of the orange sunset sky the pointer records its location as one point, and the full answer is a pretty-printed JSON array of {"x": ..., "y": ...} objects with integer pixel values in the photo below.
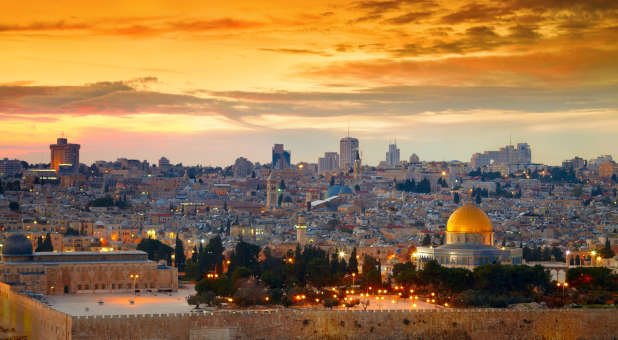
[{"x": 203, "y": 82}]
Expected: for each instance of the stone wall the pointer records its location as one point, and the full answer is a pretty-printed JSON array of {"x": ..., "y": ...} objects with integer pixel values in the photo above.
[
  {"x": 31, "y": 317},
  {"x": 38, "y": 321},
  {"x": 494, "y": 324}
]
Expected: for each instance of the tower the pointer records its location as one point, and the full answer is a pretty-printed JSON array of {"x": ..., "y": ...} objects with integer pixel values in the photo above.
[
  {"x": 65, "y": 154},
  {"x": 301, "y": 232},
  {"x": 348, "y": 152},
  {"x": 392, "y": 156},
  {"x": 271, "y": 192},
  {"x": 281, "y": 157}
]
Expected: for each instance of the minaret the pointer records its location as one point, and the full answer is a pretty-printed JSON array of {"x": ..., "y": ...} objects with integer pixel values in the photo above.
[
  {"x": 357, "y": 170},
  {"x": 301, "y": 232},
  {"x": 271, "y": 193}
]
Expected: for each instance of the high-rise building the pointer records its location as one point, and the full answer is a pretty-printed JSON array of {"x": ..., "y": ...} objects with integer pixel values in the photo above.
[
  {"x": 9, "y": 167},
  {"x": 392, "y": 156},
  {"x": 348, "y": 152},
  {"x": 507, "y": 155},
  {"x": 281, "y": 157},
  {"x": 65, "y": 155},
  {"x": 329, "y": 162},
  {"x": 575, "y": 164}
]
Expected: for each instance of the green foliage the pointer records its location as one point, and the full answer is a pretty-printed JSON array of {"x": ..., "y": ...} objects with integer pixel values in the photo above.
[
  {"x": 606, "y": 252},
  {"x": 371, "y": 272},
  {"x": 179, "y": 255},
  {"x": 14, "y": 206},
  {"x": 353, "y": 262},
  {"x": 592, "y": 278},
  {"x": 426, "y": 242},
  {"x": 44, "y": 244},
  {"x": 156, "y": 250},
  {"x": 108, "y": 201},
  {"x": 405, "y": 273},
  {"x": 222, "y": 286},
  {"x": 318, "y": 272},
  {"x": 71, "y": 232},
  {"x": 456, "y": 198},
  {"x": 245, "y": 255}
]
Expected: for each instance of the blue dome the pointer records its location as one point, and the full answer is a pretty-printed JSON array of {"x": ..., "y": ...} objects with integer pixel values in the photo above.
[{"x": 339, "y": 190}]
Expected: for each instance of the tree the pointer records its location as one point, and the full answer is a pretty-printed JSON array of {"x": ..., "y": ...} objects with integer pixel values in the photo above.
[
  {"x": 426, "y": 241},
  {"x": 156, "y": 250},
  {"x": 39, "y": 244},
  {"x": 71, "y": 232},
  {"x": 47, "y": 243},
  {"x": 606, "y": 252},
  {"x": 557, "y": 254},
  {"x": 179, "y": 255},
  {"x": 14, "y": 206},
  {"x": 318, "y": 272},
  {"x": 456, "y": 198},
  {"x": 332, "y": 181},
  {"x": 353, "y": 262},
  {"x": 245, "y": 255},
  {"x": 371, "y": 272},
  {"x": 478, "y": 199}
]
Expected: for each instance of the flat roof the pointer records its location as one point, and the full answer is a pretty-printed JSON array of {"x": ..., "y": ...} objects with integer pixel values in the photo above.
[{"x": 119, "y": 303}]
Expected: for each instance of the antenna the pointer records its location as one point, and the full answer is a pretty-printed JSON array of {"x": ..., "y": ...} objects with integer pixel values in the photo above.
[
  {"x": 510, "y": 143},
  {"x": 348, "y": 129}
]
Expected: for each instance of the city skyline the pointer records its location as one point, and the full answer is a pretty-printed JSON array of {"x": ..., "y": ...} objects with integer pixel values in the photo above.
[{"x": 435, "y": 74}]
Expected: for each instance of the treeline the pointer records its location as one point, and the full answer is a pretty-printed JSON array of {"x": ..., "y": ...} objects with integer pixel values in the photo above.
[
  {"x": 248, "y": 279},
  {"x": 409, "y": 185},
  {"x": 542, "y": 254},
  {"x": 492, "y": 285},
  {"x": 44, "y": 244},
  {"x": 108, "y": 201}
]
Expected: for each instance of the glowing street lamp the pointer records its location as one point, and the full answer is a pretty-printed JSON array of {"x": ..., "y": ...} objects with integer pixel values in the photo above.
[{"x": 134, "y": 277}]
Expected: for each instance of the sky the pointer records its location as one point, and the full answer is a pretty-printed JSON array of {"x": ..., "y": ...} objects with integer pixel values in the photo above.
[{"x": 204, "y": 82}]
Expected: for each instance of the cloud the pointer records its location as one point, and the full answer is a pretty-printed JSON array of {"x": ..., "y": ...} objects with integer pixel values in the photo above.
[
  {"x": 45, "y": 26},
  {"x": 216, "y": 24},
  {"x": 570, "y": 66},
  {"x": 297, "y": 51},
  {"x": 111, "y": 98},
  {"x": 476, "y": 12},
  {"x": 408, "y": 18}
]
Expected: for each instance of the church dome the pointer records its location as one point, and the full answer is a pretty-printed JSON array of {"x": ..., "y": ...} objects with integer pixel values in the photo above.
[
  {"x": 469, "y": 219},
  {"x": 339, "y": 190},
  {"x": 17, "y": 244}
]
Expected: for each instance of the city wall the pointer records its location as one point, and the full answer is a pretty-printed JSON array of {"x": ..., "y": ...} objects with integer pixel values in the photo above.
[
  {"x": 38, "y": 321},
  {"x": 31, "y": 317},
  {"x": 494, "y": 324}
]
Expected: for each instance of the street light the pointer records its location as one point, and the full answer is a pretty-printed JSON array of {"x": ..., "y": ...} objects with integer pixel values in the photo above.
[{"x": 134, "y": 277}]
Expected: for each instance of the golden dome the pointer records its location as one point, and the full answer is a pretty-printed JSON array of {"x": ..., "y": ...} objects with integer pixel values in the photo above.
[{"x": 468, "y": 219}]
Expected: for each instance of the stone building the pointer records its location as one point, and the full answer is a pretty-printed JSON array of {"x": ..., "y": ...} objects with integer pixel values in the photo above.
[
  {"x": 60, "y": 273},
  {"x": 469, "y": 242}
]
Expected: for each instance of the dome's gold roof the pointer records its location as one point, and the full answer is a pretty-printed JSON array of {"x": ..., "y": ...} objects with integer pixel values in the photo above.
[{"x": 469, "y": 219}]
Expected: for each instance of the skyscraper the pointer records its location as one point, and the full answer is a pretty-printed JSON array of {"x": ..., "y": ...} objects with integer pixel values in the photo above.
[
  {"x": 392, "y": 156},
  {"x": 507, "y": 155},
  {"x": 281, "y": 157},
  {"x": 329, "y": 162},
  {"x": 348, "y": 152},
  {"x": 65, "y": 154}
]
